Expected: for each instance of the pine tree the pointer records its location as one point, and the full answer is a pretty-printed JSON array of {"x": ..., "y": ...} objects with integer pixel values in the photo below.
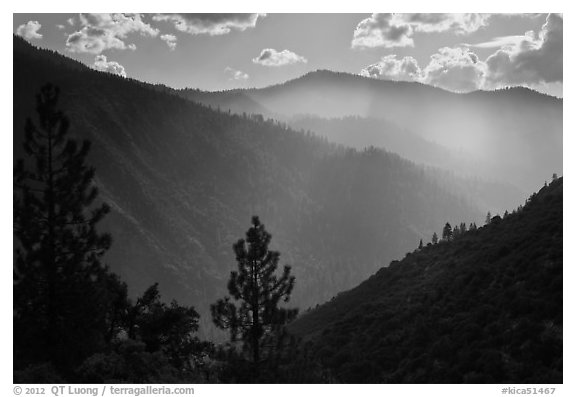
[
  {"x": 434, "y": 238},
  {"x": 420, "y": 245},
  {"x": 456, "y": 232},
  {"x": 59, "y": 309},
  {"x": 488, "y": 218},
  {"x": 257, "y": 291},
  {"x": 447, "y": 232}
]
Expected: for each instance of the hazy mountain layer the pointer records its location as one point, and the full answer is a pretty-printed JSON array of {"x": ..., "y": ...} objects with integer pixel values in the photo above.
[{"x": 512, "y": 136}]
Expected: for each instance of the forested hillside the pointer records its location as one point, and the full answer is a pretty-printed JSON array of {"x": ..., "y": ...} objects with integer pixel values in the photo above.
[
  {"x": 459, "y": 169},
  {"x": 481, "y": 307},
  {"x": 183, "y": 179}
]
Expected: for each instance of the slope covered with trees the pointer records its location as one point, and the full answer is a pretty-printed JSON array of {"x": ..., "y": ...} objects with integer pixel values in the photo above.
[
  {"x": 181, "y": 180},
  {"x": 484, "y": 306},
  {"x": 460, "y": 169}
]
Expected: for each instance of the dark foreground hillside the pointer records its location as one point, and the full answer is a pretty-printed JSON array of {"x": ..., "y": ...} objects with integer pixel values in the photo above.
[{"x": 484, "y": 308}]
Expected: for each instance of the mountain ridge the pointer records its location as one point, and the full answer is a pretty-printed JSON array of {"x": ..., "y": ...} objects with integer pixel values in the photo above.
[{"x": 513, "y": 135}]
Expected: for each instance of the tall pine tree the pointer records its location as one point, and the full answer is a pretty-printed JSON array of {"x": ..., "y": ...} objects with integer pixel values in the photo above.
[
  {"x": 60, "y": 287},
  {"x": 257, "y": 292},
  {"x": 447, "y": 232}
]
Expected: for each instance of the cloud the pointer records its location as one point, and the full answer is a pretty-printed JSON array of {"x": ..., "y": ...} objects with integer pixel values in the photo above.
[
  {"x": 101, "y": 63},
  {"x": 502, "y": 41},
  {"x": 29, "y": 30},
  {"x": 533, "y": 60},
  {"x": 397, "y": 30},
  {"x": 170, "y": 40},
  {"x": 211, "y": 24},
  {"x": 380, "y": 30},
  {"x": 456, "y": 69},
  {"x": 392, "y": 68},
  {"x": 101, "y": 32},
  {"x": 437, "y": 22},
  {"x": 271, "y": 57},
  {"x": 536, "y": 59},
  {"x": 60, "y": 27},
  {"x": 236, "y": 74}
]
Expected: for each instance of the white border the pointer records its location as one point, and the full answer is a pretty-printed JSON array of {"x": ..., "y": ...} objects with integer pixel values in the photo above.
[{"x": 367, "y": 6}]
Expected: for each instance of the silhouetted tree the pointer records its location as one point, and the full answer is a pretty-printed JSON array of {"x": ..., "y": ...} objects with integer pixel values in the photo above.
[
  {"x": 554, "y": 176},
  {"x": 434, "y": 238},
  {"x": 447, "y": 232},
  {"x": 456, "y": 232},
  {"x": 420, "y": 245},
  {"x": 169, "y": 329},
  {"x": 258, "y": 291},
  {"x": 488, "y": 218},
  {"x": 61, "y": 313}
]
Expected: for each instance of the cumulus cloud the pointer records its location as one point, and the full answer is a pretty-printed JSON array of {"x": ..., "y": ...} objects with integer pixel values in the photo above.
[
  {"x": 29, "y": 30},
  {"x": 101, "y": 32},
  {"x": 380, "y": 30},
  {"x": 234, "y": 74},
  {"x": 455, "y": 69},
  {"x": 211, "y": 24},
  {"x": 536, "y": 59},
  {"x": 101, "y": 63},
  {"x": 533, "y": 60},
  {"x": 271, "y": 57},
  {"x": 397, "y": 30},
  {"x": 170, "y": 40},
  {"x": 392, "y": 68}
]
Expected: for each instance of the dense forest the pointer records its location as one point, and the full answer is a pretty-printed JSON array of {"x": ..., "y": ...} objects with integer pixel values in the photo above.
[
  {"x": 484, "y": 306},
  {"x": 182, "y": 179}
]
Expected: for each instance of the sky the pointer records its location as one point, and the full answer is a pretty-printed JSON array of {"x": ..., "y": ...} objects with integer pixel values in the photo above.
[{"x": 457, "y": 52}]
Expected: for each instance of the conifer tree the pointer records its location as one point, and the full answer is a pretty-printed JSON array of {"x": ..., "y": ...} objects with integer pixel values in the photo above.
[
  {"x": 447, "y": 232},
  {"x": 456, "y": 232},
  {"x": 257, "y": 292},
  {"x": 488, "y": 218},
  {"x": 434, "y": 238},
  {"x": 420, "y": 245},
  {"x": 59, "y": 311}
]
